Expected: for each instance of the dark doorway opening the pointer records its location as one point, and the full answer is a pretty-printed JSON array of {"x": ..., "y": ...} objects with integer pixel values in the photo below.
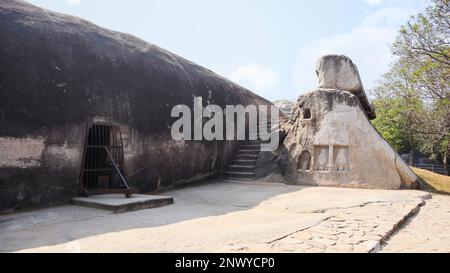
[
  {"x": 103, "y": 162},
  {"x": 304, "y": 161},
  {"x": 307, "y": 114}
]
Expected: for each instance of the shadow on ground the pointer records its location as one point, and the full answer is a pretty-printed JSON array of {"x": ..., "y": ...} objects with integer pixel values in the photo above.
[{"x": 59, "y": 225}]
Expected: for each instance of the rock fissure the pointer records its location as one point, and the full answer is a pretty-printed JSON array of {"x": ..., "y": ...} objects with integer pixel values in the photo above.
[
  {"x": 399, "y": 225},
  {"x": 297, "y": 231}
]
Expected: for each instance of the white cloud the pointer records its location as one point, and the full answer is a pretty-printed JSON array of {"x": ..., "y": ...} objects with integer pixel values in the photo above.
[
  {"x": 73, "y": 2},
  {"x": 374, "y": 2},
  {"x": 367, "y": 44},
  {"x": 262, "y": 80},
  {"x": 391, "y": 18}
]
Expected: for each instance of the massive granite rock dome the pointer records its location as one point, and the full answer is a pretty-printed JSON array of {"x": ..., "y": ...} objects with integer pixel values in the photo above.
[{"x": 60, "y": 75}]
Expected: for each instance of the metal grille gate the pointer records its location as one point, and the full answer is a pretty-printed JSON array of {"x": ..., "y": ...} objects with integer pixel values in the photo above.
[{"x": 102, "y": 168}]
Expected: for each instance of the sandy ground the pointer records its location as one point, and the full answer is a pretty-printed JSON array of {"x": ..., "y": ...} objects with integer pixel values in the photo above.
[
  {"x": 221, "y": 217},
  {"x": 428, "y": 231}
]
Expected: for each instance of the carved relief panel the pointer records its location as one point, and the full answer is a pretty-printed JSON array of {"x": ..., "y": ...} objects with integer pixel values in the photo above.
[
  {"x": 340, "y": 158},
  {"x": 304, "y": 161},
  {"x": 321, "y": 158},
  {"x": 331, "y": 158}
]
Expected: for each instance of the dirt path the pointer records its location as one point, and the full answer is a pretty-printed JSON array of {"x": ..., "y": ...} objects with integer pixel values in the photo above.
[{"x": 428, "y": 231}]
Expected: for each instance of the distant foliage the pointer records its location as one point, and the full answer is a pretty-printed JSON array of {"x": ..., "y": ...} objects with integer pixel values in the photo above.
[{"x": 413, "y": 98}]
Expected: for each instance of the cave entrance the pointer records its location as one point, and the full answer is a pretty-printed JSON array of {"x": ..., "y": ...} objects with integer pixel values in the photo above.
[{"x": 102, "y": 170}]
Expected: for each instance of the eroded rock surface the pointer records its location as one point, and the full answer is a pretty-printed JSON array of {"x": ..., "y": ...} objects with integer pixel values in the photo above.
[
  {"x": 339, "y": 72},
  {"x": 330, "y": 140}
]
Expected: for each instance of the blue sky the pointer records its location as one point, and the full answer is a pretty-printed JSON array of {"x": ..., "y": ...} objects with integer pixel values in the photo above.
[{"x": 268, "y": 46}]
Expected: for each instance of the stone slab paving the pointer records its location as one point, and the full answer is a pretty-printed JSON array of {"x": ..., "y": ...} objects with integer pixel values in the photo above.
[
  {"x": 358, "y": 229},
  {"x": 118, "y": 203},
  {"x": 221, "y": 217},
  {"x": 428, "y": 231}
]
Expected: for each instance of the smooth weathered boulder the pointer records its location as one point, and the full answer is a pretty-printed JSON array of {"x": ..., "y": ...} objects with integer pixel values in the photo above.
[
  {"x": 339, "y": 72},
  {"x": 61, "y": 74}
]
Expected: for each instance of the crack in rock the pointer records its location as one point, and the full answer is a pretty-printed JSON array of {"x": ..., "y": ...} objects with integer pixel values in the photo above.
[
  {"x": 397, "y": 227},
  {"x": 300, "y": 230},
  {"x": 373, "y": 245}
]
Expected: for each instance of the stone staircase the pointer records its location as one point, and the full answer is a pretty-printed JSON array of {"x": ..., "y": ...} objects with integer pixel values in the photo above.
[{"x": 243, "y": 164}]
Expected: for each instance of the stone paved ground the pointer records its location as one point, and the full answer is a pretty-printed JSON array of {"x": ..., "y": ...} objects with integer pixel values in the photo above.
[
  {"x": 221, "y": 217},
  {"x": 358, "y": 229},
  {"x": 428, "y": 231}
]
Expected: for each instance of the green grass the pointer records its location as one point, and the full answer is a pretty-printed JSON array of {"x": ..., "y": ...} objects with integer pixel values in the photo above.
[{"x": 433, "y": 181}]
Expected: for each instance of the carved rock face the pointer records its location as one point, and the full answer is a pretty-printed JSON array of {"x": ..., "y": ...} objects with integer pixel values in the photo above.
[{"x": 334, "y": 144}]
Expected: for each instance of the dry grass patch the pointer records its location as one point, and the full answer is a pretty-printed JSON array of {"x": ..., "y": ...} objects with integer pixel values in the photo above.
[{"x": 434, "y": 181}]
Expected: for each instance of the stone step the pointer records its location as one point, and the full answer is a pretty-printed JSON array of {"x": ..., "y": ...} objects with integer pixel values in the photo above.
[
  {"x": 262, "y": 141},
  {"x": 243, "y": 164},
  {"x": 118, "y": 203},
  {"x": 253, "y": 137},
  {"x": 237, "y": 168},
  {"x": 252, "y": 153},
  {"x": 248, "y": 141},
  {"x": 239, "y": 179},
  {"x": 251, "y": 146},
  {"x": 249, "y": 150},
  {"x": 253, "y": 142},
  {"x": 244, "y": 161},
  {"x": 246, "y": 156},
  {"x": 231, "y": 174}
]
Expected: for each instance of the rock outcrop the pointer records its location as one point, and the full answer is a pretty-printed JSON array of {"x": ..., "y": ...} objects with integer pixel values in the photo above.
[
  {"x": 338, "y": 72},
  {"x": 60, "y": 74},
  {"x": 330, "y": 140}
]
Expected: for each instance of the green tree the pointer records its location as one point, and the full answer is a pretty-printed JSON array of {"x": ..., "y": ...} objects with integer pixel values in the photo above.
[
  {"x": 400, "y": 110},
  {"x": 418, "y": 85}
]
